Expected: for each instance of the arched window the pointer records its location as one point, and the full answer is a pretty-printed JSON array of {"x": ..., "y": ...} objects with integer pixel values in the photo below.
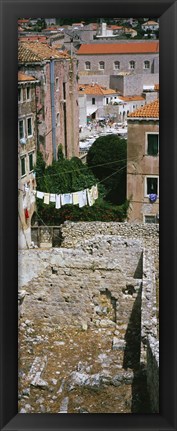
[
  {"x": 101, "y": 65},
  {"x": 132, "y": 65},
  {"x": 116, "y": 65},
  {"x": 146, "y": 64},
  {"x": 87, "y": 65}
]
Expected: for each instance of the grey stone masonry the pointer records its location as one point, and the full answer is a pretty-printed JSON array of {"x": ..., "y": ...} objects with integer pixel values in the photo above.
[
  {"x": 75, "y": 234},
  {"x": 149, "y": 326},
  {"x": 93, "y": 285}
]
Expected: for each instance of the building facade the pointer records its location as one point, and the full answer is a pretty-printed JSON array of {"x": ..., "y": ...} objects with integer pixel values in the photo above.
[
  {"x": 57, "y": 98},
  {"x": 112, "y": 58},
  {"x": 27, "y": 148},
  {"x": 143, "y": 164},
  {"x": 131, "y": 83},
  {"x": 94, "y": 101}
]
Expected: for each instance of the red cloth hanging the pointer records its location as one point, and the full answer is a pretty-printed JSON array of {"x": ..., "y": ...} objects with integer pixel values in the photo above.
[{"x": 26, "y": 214}]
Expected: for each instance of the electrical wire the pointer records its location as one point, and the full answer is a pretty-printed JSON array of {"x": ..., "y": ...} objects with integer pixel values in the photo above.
[
  {"x": 48, "y": 227},
  {"x": 85, "y": 167}
]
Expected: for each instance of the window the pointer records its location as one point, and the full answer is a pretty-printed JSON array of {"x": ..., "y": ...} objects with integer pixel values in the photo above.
[
  {"x": 93, "y": 100},
  {"x": 132, "y": 65},
  {"x": 101, "y": 65},
  {"x": 20, "y": 94},
  {"x": 31, "y": 162},
  {"x": 29, "y": 126},
  {"x": 28, "y": 93},
  {"x": 146, "y": 64},
  {"x": 21, "y": 129},
  {"x": 116, "y": 65},
  {"x": 107, "y": 100},
  {"x": 150, "y": 219},
  {"x": 57, "y": 84},
  {"x": 87, "y": 65},
  {"x": 151, "y": 185},
  {"x": 152, "y": 144},
  {"x": 23, "y": 166}
]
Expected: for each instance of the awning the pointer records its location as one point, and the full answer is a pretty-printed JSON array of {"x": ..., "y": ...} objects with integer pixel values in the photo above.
[{"x": 90, "y": 111}]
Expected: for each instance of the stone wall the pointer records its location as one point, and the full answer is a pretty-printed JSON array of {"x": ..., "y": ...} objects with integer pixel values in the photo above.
[
  {"x": 149, "y": 326},
  {"x": 86, "y": 78},
  {"x": 105, "y": 276},
  {"x": 74, "y": 234},
  {"x": 153, "y": 372},
  {"x": 96, "y": 284}
]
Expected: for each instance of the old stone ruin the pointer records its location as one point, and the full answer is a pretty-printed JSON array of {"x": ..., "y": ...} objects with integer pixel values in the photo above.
[{"x": 88, "y": 322}]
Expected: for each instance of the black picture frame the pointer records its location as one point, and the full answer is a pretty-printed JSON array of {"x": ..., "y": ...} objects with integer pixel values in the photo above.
[{"x": 167, "y": 418}]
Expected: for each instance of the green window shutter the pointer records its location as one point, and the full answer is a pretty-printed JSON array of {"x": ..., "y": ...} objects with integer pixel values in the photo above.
[{"x": 153, "y": 143}]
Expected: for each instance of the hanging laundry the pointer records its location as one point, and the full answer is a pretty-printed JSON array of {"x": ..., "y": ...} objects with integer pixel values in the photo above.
[
  {"x": 26, "y": 188},
  {"x": 95, "y": 192},
  {"x": 24, "y": 202},
  {"x": 40, "y": 195},
  {"x": 82, "y": 195},
  {"x": 75, "y": 198},
  {"x": 66, "y": 199},
  {"x": 90, "y": 198},
  {"x": 32, "y": 197},
  {"x": 26, "y": 214},
  {"x": 58, "y": 201},
  {"x": 52, "y": 197},
  {"x": 46, "y": 198}
]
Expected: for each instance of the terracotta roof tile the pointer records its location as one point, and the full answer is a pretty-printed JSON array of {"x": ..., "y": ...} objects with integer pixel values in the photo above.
[
  {"x": 149, "y": 23},
  {"x": 30, "y": 52},
  {"x": 131, "y": 98},
  {"x": 119, "y": 48},
  {"x": 115, "y": 27},
  {"x": 22, "y": 77},
  {"x": 151, "y": 110},
  {"x": 23, "y": 21},
  {"x": 95, "y": 89},
  {"x": 32, "y": 38}
]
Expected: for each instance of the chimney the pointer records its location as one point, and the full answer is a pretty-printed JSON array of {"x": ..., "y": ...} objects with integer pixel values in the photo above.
[{"x": 103, "y": 28}]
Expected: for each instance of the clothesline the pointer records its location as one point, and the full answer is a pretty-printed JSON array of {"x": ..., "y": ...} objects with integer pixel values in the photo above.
[
  {"x": 85, "y": 167},
  {"x": 81, "y": 198}
]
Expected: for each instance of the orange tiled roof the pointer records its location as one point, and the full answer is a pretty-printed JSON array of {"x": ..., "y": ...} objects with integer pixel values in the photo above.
[
  {"x": 151, "y": 110},
  {"x": 115, "y": 27},
  {"x": 149, "y": 23},
  {"x": 119, "y": 48},
  {"x": 22, "y": 77},
  {"x": 31, "y": 52},
  {"x": 131, "y": 98},
  {"x": 32, "y": 38},
  {"x": 95, "y": 89},
  {"x": 23, "y": 21},
  {"x": 51, "y": 28}
]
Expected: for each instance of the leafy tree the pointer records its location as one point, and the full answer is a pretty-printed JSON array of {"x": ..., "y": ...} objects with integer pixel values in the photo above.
[
  {"x": 107, "y": 158},
  {"x": 69, "y": 176}
]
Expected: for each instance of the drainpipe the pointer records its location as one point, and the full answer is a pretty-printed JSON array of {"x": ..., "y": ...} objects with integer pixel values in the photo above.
[{"x": 53, "y": 109}]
